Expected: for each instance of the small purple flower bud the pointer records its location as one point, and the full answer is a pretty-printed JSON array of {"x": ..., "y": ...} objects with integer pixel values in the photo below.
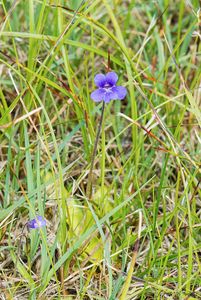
[
  {"x": 38, "y": 222},
  {"x": 107, "y": 88}
]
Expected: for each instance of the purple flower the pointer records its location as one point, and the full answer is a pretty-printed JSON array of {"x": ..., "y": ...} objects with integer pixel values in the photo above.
[
  {"x": 38, "y": 222},
  {"x": 107, "y": 89}
]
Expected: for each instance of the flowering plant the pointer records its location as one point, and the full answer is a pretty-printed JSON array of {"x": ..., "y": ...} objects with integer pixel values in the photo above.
[
  {"x": 38, "y": 222},
  {"x": 107, "y": 88}
]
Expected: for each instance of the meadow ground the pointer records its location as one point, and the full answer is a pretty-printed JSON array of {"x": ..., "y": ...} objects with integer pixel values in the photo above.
[{"x": 123, "y": 223}]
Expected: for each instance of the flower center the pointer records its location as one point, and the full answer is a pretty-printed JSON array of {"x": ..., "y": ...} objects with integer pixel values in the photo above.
[{"x": 107, "y": 86}]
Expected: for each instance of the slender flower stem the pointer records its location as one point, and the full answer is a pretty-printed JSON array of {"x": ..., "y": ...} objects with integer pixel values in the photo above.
[
  {"x": 103, "y": 161},
  {"x": 89, "y": 184}
]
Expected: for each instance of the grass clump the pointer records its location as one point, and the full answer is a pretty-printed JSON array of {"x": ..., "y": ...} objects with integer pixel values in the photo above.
[{"x": 137, "y": 236}]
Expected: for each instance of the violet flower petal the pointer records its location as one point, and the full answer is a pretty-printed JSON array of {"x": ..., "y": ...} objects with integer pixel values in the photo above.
[
  {"x": 111, "y": 78},
  {"x": 100, "y": 80},
  {"x": 109, "y": 95},
  {"x": 38, "y": 222},
  {"x": 98, "y": 95},
  {"x": 120, "y": 92}
]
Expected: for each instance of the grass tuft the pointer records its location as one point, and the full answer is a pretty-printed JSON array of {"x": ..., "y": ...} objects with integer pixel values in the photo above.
[{"x": 122, "y": 202}]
